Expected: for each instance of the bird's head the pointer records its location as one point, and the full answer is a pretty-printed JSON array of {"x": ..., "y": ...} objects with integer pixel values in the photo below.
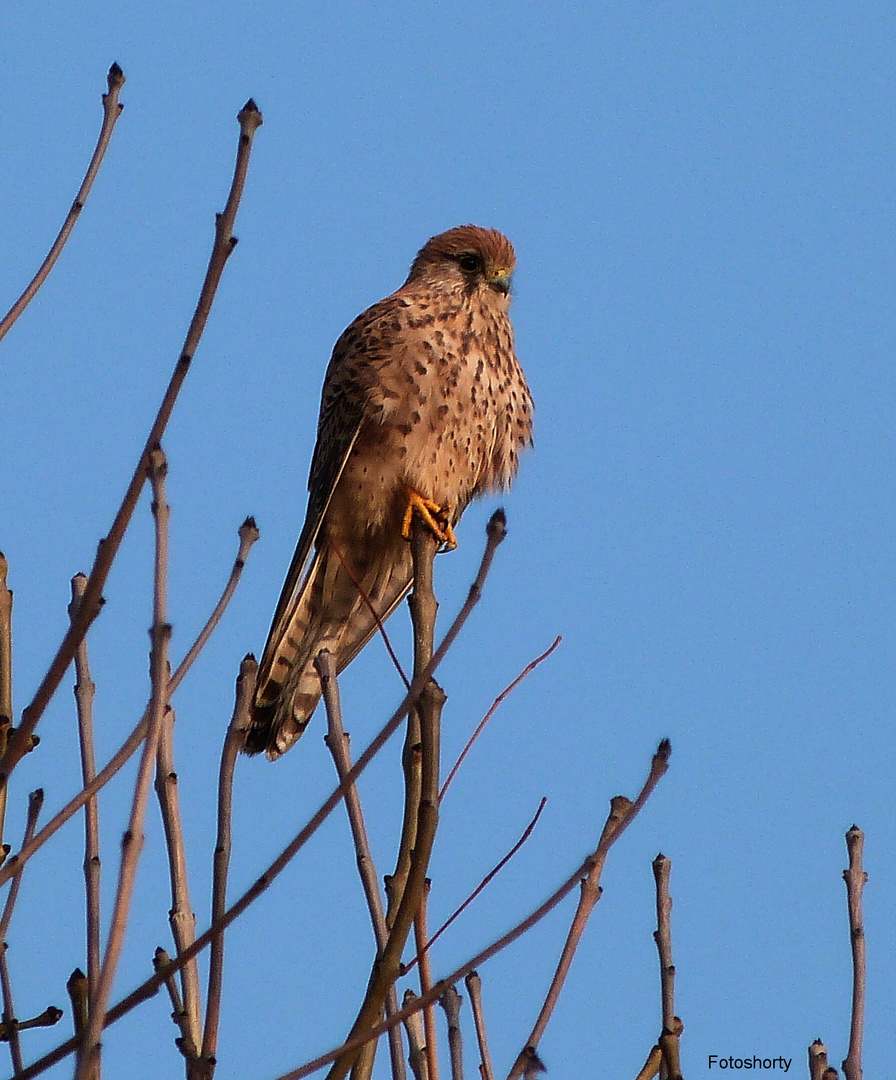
[{"x": 467, "y": 258}]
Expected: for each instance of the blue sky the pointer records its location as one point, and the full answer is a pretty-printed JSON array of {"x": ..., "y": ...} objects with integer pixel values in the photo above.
[{"x": 700, "y": 196}]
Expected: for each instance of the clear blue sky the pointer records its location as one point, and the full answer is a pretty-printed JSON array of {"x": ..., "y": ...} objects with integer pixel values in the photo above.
[{"x": 701, "y": 200}]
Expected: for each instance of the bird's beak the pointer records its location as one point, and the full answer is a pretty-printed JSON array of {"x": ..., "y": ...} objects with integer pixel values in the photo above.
[{"x": 500, "y": 281}]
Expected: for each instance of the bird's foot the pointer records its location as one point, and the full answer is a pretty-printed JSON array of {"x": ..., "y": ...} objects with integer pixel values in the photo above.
[{"x": 435, "y": 517}]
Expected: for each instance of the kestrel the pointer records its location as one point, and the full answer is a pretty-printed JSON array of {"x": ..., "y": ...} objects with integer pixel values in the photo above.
[{"x": 424, "y": 407}]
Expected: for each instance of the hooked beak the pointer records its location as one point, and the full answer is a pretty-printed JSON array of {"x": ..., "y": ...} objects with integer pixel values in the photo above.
[{"x": 500, "y": 282}]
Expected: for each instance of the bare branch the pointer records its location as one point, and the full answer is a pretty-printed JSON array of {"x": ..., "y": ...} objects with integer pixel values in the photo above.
[
  {"x": 474, "y": 988},
  {"x": 482, "y": 884},
  {"x": 249, "y": 119},
  {"x": 111, "y": 112},
  {"x": 233, "y": 741},
  {"x": 248, "y": 534},
  {"x": 855, "y": 878},
  {"x": 85, "y": 691},
  {"x": 419, "y": 839},
  {"x": 132, "y": 842},
  {"x": 504, "y": 693}
]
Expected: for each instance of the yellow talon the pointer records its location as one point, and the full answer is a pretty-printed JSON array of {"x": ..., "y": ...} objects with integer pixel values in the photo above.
[{"x": 435, "y": 517}]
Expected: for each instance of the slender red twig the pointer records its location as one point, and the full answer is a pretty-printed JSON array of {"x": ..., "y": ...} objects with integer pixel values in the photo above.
[
  {"x": 369, "y": 604},
  {"x": 508, "y": 690},
  {"x": 482, "y": 884}
]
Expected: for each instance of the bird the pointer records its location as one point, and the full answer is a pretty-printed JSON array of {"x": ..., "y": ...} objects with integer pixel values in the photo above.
[{"x": 424, "y": 407}]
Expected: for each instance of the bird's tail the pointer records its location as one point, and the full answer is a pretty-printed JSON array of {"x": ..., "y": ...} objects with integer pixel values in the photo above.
[{"x": 329, "y": 611}]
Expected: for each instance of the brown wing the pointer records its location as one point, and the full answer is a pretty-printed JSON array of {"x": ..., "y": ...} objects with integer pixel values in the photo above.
[{"x": 345, "y": 406}]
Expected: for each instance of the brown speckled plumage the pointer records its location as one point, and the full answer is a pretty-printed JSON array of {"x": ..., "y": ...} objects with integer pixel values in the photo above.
[{"x": 423, "y": 392}]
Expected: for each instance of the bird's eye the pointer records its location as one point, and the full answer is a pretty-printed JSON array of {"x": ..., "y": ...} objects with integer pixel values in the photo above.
[{"x": 469, "y": 262}]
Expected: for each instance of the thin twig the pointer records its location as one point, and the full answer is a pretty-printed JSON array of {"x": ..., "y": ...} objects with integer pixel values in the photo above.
[
  {"x": 35, "y": 803},
  {"x": 450, "y": 1002},
  {"x": 233, "y": 741},
  {"x": 85, "y": 691},
  {"x": 249, "y": 120},
  {"x": 181, "y": 917},
  {"x": 5, "y": 678},
  {"x": 248, "y": 534},
  {"x": 421, "y": 936},
  {"x": 855, "y": 878},
  {"x": 621, "y": 814},
  {"x": 111, "y": 111},
  {"x": 504, "y": 693},
  {"x": 495, "y": 531},
  {"x": 11, "y": 1025},
  {"x": 393, "y": 656},
  {"x": 474, "y": 988},
  {"x": 527, "y": 832},
  {"x": 338, "y": 744},
  {"x": 132, "y": 841},
  {"x": 428, "y": 709}
]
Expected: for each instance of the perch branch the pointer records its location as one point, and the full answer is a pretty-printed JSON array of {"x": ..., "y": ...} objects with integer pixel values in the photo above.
[
  {"x": 416, "y": 842},
  {"x": 249, "y": 120},
  {"x": 248, "y": 534},
  {"x": 111, "y": 111},
  {"x": 855, "y": 878}
]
